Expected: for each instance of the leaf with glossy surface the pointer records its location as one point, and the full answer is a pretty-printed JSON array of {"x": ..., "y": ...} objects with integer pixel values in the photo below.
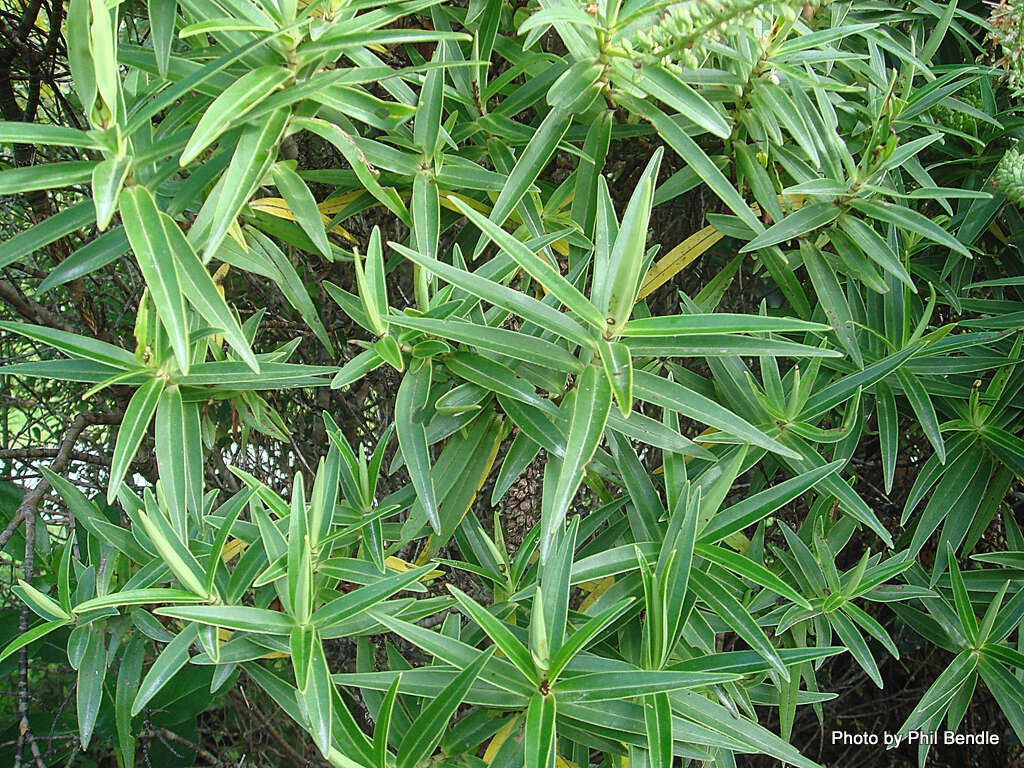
[
  {"x": 412, "y": 438},
  {"x": 733, "y": 613},
  {"x": 502, "y": 637},
  {"x": 137, "y": 417},
  {"x": 144, "y": 227},
  {"x": 92, "y": 669},
  {"x": 545, "y": 274},
  {"x": 539, "y": 731},
  {"x": 593, "y": 399},
  {"x": 658, "y": 721},
  {"x": 234, "y": 617},
  {"x": 428, "y": 728},
  {"x": 669, "y": 394},
  {"x": 172, "y": 658},
  {"x": 242, "y": 95},
  {"x": 31, "y": 635}
]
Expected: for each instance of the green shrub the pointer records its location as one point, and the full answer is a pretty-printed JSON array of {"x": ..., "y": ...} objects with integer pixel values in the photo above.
[{"x": 702, "y": 543}]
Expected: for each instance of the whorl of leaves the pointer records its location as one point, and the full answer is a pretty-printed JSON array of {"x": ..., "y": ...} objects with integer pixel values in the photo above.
[{"x": 557, "y": 385}]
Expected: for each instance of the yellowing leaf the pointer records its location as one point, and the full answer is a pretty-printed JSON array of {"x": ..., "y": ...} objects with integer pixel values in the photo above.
[
  {"x": 499, "y": 738},
  {"x": 739, "y": 542},
  {"x": 596, "y": 588},
  {"x": 677, "y": 259},
  {"x": 332, "y": 205},
  {"x": 705, "y": 433},
  {"x": 277, "y": 207},
  {"x": 232, "y": 548},
  {"x": 669, "y": 265},
  {"x": 220, "y": 274},
  {"x": 424, "y": 555},
  {"x": 485, "y": 473},
  {"x": 401, "y": 566},
  {"x": 235, "y": 232}
]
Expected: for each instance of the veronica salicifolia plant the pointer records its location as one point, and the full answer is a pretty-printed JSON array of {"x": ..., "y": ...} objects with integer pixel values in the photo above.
[{"x": 468, "y": 446}]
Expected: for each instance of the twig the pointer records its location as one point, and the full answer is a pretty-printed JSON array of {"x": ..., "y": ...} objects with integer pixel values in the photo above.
[
  {"x": 166, "y": 735},
  {"x": 27, "y": 513},
  {"x": 28, "y": 566},
  {"x": 299, "y": 759},
  {"x": 32, "y": 310}
]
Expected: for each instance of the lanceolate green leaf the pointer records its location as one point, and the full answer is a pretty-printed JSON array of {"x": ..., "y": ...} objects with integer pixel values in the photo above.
[
  {"x": 33, "y": 634},
  {"x": 74, "y": 345},
  {"x": 665, "y": 85},
  {"x": 499, "y": 295},
  {"x": 833, "y": 301},
  {"x": 107, "y": 179},
  {"x": 658, "y": 719},
  {"x": 733, "y": 612},
  {"x": 746, "y": 512},
  {"x": 618, "y": 369},
  {"x": 382, "y": 726},
  {"x": 593, "y": 399},
  {"x": 172, "y": 460},
  {"x": 539, "y": 735},
  {"x": 172, "y": 658},
  {"x": 144, "y": 226},
  {"x": 92, "y": 669},
  {"x": 626, "y": 260},
  {"x": 412, "y": 438},
  {"x": 129, "y": 675},
  {"x": 535, "y": 156},
  {"x": 138, "y": 597},
  {"x": 202, "y": 292},
  {"x": 690, "y": 151},
  {"x": 49, "y": 176},
  {"x": 252, "y": 158},
  {"x": 754, "y": 571},
  {"x": 669, "y": 394},
  {"x": 911, "y": 221},
  {"x": 49, "y": 135},
  {"x": 428, "y": 728},
  {"x": 806, "y": 219},
  {"x": 244, "y": 94},
  {"x": 545, "y": 274},
  {"x": 497, "y": 378},
  {"x": 351, "y": 604},
  {"x": 503, "y": 638},
  {"x": 161, "y": 27},
  {"x": 234, "y": 617},
  {"x": 318, "y": 698},
  {"x": 170, "y": 546},
  {"x": 716, "y": 323},
  {"x": 47, "y": 231},
  {"x": 137, "y": 418},
  {"x": 605, "y": 686},
  {"x": 303, "y": 205},
  {"x": 500, "y": 340}
]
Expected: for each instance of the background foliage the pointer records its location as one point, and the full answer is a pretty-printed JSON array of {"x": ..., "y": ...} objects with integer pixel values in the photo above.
[{"x": 545, "y": 384}]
